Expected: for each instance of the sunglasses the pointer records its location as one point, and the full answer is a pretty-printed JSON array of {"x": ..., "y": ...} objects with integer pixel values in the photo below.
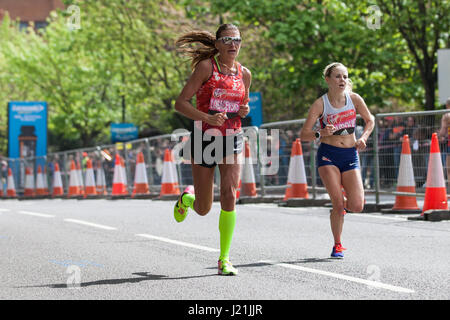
[{"x": 228, "y": 40}]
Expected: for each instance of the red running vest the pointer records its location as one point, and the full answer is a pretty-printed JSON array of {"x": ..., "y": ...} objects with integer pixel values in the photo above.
[{"x": 223, "y": 93}]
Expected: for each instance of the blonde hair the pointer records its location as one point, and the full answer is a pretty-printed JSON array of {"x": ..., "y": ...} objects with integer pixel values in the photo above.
[
  {"x": 329, "y": 69},
  {"x": 206, "y": 39}
]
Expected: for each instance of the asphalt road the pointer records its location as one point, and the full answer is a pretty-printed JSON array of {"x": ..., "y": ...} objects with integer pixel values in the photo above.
[{"x": 134, "y": 249}]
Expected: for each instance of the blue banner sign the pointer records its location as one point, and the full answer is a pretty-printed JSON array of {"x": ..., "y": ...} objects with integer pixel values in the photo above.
[
  {"x": 255, "y": 104},
  {"x": 122, "y": 132},
  {"x": 27, "y": 129}
]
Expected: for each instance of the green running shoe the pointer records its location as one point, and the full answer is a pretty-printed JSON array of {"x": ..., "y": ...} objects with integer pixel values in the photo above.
[
  {"x": 180, "y": 211},
  {"x": 225, "y": 268}
]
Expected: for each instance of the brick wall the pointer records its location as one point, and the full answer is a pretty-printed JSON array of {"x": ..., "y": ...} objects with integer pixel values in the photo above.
[{"x": 29, "y": 10}]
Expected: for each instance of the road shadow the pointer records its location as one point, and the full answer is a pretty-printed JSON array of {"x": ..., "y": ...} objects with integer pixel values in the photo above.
[
  {"x": 266, "y": 264},
  {"x": 142, "y": 276},
  {"x": 146, "y": 276}
]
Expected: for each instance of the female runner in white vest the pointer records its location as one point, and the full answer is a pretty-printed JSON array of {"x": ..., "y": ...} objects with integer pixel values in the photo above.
[{"x": 337, "y": 156}]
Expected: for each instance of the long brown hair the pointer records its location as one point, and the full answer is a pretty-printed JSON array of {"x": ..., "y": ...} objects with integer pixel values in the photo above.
[{"x": 207, "y": 39}]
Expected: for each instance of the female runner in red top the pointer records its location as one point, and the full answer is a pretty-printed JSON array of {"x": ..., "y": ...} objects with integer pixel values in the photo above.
[{"x": 221, "y": 85}]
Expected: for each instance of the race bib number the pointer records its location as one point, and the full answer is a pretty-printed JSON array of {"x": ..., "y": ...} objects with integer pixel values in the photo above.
[
  {"x": 345, "y": 119},
  {"x": 225, "y": 100}
]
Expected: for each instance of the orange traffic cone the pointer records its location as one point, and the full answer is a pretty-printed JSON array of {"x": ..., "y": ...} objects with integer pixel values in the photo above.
[
  {"x": 238, "y": 191},
  {"x": 11, "y": 188},
  {"x": 435, "y": 190},
  {"x": 40, "y": 187},
  {"x": 101, "y": 180},
  {"x": 297, "y": 186},
  {"x": 140, "y": 177},
  {"x": 90, "y": 189},
  {"x": 119, "y": 185},
  {"x": 74, "y": 185},
  {"x": 405, "y": 180},
  {"x": 57, "y": 182},
  {"x": 248, "y": 185},
  {"x": 28, "y": 190},
  {"x": 169, "y": 179}
]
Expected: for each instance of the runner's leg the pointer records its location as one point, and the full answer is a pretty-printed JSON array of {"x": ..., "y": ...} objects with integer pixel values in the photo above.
[
  {"x": 204, "y": 188},
  {"x": 331, "y": 178}
]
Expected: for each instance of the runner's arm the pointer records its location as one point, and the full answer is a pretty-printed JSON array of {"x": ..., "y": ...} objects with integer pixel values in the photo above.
[{"x": 183, "y": 104}]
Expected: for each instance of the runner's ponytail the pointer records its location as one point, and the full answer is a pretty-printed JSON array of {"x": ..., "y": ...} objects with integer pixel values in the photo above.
[{"x": 207, "y": 40}]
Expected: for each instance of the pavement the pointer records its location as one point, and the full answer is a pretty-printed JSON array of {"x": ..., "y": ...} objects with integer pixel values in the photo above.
[{"x": 134, "y": 250}]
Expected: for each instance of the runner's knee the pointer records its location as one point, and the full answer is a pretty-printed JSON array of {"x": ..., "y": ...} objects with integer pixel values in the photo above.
[
  {"x": 355, "y": 205},
  {"x": 228, "y": 196},
  {"x": 202, "y": 208}
]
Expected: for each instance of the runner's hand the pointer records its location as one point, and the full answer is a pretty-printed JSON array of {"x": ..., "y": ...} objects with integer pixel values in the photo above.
[
  {"x": 360, "y": 144},
  {"x": 217, "y": 119},
  {"x": 328, "y": 130},
  {"x": 243, "y": 110}
]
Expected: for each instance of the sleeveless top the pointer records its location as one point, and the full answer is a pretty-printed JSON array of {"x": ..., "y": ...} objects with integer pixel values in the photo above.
[
  {"x": 343, "y": 119},
  {"x": 222, "y": 93}
]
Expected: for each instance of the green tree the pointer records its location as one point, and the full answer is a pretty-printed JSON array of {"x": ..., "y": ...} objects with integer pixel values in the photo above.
[
  {"x": 424, "y": 25},
  {"x": 121, "y": 65},
  {"x": 299, "y": 38}
]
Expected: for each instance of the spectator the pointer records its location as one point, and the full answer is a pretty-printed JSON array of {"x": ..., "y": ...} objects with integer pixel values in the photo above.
[
  {"x": 396, "y": 138},
  {"x": 445, "y": 137}
]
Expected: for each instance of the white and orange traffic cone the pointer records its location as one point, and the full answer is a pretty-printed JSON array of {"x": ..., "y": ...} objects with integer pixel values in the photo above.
[
  {"x": 11, "y": 187},
  {"x": 296, "y": 181},
  {"x": 40, "y": 187},
  {"x": 169, "y": 180},
  {"x": 90, "y": 189},
  {"x": 100, "y": 179},
  {"x": 140, "y": 177},
  {"x": 74, "y": 185},
  {"x": 435, "y": 190},
  {"x": 405, "y": 180},
  {"x": 28, "y": 190},
  {"x": 57, "y": 182},
  {"x": 247, "y": 185},
  {"x": 124, "y": 173},
  {"x": 119, "y": 188}
]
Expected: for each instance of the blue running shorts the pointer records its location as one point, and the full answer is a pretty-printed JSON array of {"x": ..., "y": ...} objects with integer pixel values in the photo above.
[{"x": 343, "y": 158}]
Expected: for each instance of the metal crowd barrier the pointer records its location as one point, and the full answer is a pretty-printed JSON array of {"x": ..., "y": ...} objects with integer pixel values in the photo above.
[{"x": 379, "y": 162}]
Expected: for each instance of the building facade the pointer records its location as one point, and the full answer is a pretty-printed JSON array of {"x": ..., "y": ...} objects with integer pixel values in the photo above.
[{"x": 26, "y": 11}]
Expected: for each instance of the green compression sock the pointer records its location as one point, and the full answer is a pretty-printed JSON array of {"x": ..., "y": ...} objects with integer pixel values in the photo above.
[
  {"x": 188, "y": 200},
  {"x": 227, "y": 221}
]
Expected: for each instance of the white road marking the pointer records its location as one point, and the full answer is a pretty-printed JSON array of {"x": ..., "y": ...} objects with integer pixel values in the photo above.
[
  {"x": 95, "y": 225},
  {"x": 36, "y": 214},
  {"x": 180, "y": 243},
  {"x": 371, "y": 283},
  {"x": 308, "y": 209},
  {"x": 379, "y": 217}
]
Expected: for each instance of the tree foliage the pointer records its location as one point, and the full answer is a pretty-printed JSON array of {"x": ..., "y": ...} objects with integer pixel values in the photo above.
[
  {"x": 299, "y": 38},
  {"x": 122, "y": 65}
]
